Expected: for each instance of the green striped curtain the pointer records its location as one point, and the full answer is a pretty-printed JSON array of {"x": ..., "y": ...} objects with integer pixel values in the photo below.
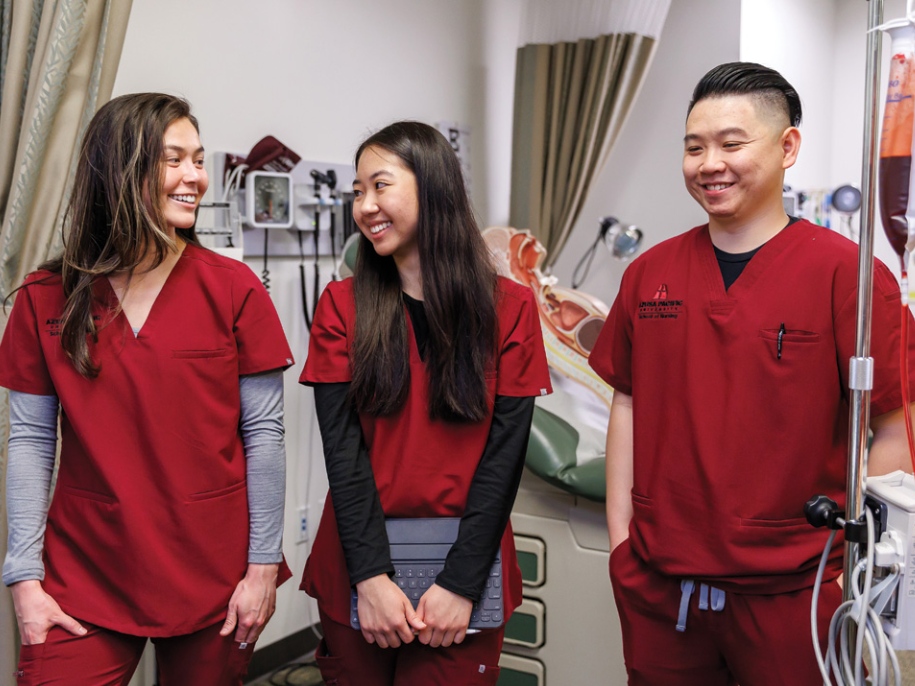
[
  {"x": 572, "y": 98},
  {"x": 58, "y": 60}
]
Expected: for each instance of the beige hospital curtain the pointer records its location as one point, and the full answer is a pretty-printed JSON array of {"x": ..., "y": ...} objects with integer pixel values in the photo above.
[
  {"x": 579, "y": 69},
  {"x": 58, "y": 60}
]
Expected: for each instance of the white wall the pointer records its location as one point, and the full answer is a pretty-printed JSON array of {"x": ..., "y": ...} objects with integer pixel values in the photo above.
[
  {"x": 501, "y": 20},
  {"x": 319, "y": 76},
  {"x": 797, "y": 39},
  {"x": 820, "y": 47},
  {"x": 642, "y": 183}
]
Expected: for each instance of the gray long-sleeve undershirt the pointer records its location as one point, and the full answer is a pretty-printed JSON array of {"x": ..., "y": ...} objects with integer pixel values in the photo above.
[{"x": 32, "y": 447}]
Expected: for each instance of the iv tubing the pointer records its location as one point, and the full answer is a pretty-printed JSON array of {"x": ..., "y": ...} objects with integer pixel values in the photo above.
[{"x": 904, "y": 364}]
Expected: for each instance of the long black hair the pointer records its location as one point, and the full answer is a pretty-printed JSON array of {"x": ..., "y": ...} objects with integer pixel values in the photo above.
[
  {"x": 111, "y": 224},
  {"x": 458, "y": 280}
]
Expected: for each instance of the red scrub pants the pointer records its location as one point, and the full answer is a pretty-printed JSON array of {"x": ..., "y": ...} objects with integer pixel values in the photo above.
[
  {"x": 346, "y": 659},
  {"x": 108, "y": 658},
  {"x": 754, "y": 640}
]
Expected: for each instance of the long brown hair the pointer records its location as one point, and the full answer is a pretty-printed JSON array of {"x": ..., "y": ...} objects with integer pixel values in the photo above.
[
  {"x": 458, "y": 290},
  {"x": 110, "y": 223}
]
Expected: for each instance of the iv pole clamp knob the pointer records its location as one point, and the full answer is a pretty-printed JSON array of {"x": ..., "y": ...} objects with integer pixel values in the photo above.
[{"x": 822, "y": 510}]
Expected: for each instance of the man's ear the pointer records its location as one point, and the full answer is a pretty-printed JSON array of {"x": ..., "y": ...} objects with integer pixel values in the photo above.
[{"x": 791, "y": 146}]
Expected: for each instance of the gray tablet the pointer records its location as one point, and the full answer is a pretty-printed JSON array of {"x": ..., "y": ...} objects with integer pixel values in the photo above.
[{"x": 418, "y": 550}]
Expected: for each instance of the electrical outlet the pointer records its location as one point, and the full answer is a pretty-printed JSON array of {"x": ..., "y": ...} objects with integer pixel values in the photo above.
[{"x": 302, "y": 530}]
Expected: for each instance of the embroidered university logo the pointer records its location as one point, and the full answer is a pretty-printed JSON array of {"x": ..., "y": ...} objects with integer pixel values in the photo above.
[
  {"x": 52, "y": 326},
  {"x": 660, "y": 306}
]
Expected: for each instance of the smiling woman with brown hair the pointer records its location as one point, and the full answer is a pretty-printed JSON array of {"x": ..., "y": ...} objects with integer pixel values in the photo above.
[{"x": 164, "y": 363}]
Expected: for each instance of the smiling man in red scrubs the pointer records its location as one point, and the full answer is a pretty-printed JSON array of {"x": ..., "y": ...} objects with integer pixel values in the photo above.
[{"x": 728, "y": 350}]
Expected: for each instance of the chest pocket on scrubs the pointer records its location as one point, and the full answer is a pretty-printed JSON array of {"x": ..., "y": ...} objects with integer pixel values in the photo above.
[
  {"x": 206, "y": 382},
  {"x": 215, "y": 368},
  {"x": 789, "y": 345},
  {"x": 197, "y": 354}
]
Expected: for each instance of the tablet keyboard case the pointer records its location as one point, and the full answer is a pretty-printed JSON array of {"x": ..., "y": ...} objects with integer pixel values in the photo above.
[{"x": 418, "y": 551}]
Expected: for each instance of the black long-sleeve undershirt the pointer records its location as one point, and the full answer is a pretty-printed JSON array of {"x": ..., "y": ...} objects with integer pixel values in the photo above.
[
  {"x": 360, "y": 519},
  {"x": 490, "y": 499}
]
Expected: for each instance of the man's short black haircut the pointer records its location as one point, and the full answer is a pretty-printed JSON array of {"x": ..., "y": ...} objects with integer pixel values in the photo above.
[{"x": 749, "y": 78}]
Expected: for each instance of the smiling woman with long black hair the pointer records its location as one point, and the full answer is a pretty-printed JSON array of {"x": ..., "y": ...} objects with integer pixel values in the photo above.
[{"x": 425, "y": 366}]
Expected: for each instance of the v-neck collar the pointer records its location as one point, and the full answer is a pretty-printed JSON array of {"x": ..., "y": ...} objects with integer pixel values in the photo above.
[
  {"x": 765, "y": 255},
  {"x": 108, "y": 296}
]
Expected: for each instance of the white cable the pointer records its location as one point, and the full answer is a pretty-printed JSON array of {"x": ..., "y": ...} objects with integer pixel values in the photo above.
[
  {"x": 843, "y": 627},
  {"x": 895, "y": 662},
  {"x": 855, "y": 614},
  {"x": 233, "y": 182},
  {"x": 864, "y": 598},
  {"x": 814, "y": 628}
]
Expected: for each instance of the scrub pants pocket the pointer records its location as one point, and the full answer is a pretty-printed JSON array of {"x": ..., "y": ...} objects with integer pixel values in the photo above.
[
  {"x": 28, "y": 672},
  {"x": 618, "y": 557},
  {"x": 616, "y": 549},
  {"x": 331, "y": 667}
]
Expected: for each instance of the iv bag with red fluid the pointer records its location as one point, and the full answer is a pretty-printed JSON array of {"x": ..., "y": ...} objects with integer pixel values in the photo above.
[
  {"x": 896, "y": 140},
  {"x": 895, "y": 183}
]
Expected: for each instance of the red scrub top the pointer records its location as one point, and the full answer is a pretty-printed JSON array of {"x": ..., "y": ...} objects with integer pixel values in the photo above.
[
  {"x": 729, "y": 440},
  {"x": 148, "y": 528},
  {"x": 422, "y": 467}
]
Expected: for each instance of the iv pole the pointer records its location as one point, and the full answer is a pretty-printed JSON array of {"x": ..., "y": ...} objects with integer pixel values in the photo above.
[{"x": 861, "y": 367}]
